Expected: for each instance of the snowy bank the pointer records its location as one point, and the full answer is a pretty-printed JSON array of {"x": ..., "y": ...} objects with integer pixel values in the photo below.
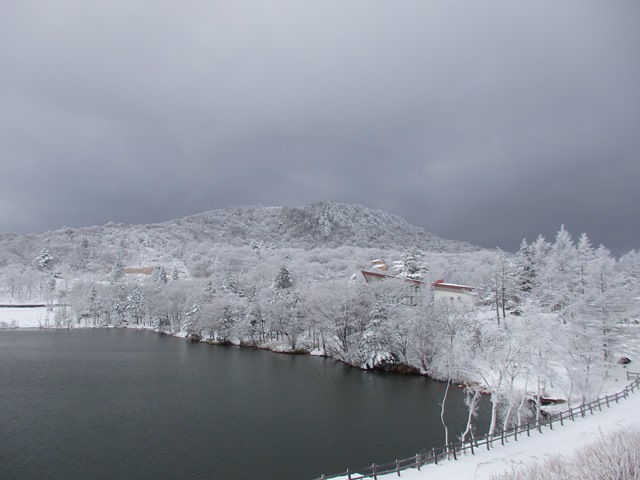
[{"x": 21, "y": 317}]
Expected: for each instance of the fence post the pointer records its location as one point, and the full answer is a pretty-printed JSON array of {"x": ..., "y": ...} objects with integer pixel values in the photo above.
[
  {"x": 515, "y": 432},
  {"x": 373, "y": 466},
  {"x": 398, "y": 467},
  {"x": 528, "y": 426},
  {"x": 435, "y": 457},
  {"x": 502, "y": 436},
  {"x": 454, "y": 451},
  {"x": 606, "y": 397},
  {"x": 561, "y": 419},
  {"x": 417, "y": 463},
  {"x": 348, "y": 474}
]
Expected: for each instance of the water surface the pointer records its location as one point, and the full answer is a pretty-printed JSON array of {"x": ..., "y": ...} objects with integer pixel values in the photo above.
[{"x": 116, "y": 403}]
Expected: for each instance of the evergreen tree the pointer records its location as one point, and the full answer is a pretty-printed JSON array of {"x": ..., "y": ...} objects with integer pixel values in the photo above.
[
  {"x": 192, "y": 321},
  {"x": 558, "y": 279},
  {"x": 629, "y": 267},
  {"x": 159, "y": 274},
  {"x": 283, "y": 279},
  {"x": 227, "y": 323},
  {"x": 411, "y": 265},
  {"x": 118, "y": 271},
  {"x": 504, "y": 290},
  {"x": 376, "y": 344},
  {"x": 230, "y": 284},
  {"x": 119, "y": 304},
  {"x": 605, "y": 300},
  {"x": 44, "y": 259},
  {"x": 95, "y": 307},
  {"x": 210, "y": 290},
  {"x": 524, "y": 271},
  {"x": 585, "y": 257},
  {"x": 539, "y": 252},
  {"x": 135, "y": 304},
  {"x": 293, "y": 323}
]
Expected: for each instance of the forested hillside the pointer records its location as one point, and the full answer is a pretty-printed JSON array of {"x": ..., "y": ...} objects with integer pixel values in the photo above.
[{"x": 188, "y": 240}]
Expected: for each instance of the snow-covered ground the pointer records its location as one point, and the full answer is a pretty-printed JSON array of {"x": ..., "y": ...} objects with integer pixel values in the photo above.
[
  {"x": 13, "y": 317},
  {"x": 559, "y": 441}
]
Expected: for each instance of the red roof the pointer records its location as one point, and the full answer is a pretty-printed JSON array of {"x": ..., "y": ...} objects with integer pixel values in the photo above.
[
  {"x": 369, "y": 276},
  {"x": 440, "y": 284}
]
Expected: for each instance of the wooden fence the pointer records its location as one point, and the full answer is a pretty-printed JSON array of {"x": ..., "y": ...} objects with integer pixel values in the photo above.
[{"x": 454, "y": 450}]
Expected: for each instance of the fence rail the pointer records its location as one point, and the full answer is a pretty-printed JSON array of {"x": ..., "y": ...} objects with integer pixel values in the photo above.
[{"x": 454, "y": 450}]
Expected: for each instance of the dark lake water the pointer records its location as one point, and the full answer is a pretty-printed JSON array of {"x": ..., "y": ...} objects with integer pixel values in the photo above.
[{"x": 124, "y": 404}]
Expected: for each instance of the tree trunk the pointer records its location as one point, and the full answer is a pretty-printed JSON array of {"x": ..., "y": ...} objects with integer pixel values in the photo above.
[
  {"x": 472, "y": 407},
  {"x": 494, "y": 413},
  {"x": 442, "y": 413}
]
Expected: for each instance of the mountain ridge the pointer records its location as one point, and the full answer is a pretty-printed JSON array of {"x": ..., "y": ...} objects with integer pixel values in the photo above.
[
  {"x": 307, "y": 227},
  {"x": 315, "y": 225}
]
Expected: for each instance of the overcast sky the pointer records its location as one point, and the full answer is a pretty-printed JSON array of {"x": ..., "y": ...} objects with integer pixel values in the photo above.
[{"x": 485, "y": 121}]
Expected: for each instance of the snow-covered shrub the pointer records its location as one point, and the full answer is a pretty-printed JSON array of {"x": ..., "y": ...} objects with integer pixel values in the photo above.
[{"x": 615, "y": 456}]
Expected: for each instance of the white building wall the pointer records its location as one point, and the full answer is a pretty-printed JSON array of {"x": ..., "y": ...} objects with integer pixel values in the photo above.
[{"x": 462, "y": 296}]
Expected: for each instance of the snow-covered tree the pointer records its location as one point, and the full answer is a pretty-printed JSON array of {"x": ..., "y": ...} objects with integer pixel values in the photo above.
[
  {"x": 159, "y": 274},
  {"x": 605, "y": 299},
  {"x": 558, "y": 278},
  {"x": 376, "y": 343},
  {"x": 168, "y": 308},
  {"x": 230, "y": 284},
  {"x": 119, "y": 304},
  {"x": 135, "y": 304},
  {"x": 411, "y": 265},
  {"x": 118, "y": 271},
  {"x": 585, "y": 257},
  {"x": 283, "y": 280},
  {"x": 524, "y": 272},
  {"x": 340, "y": 306},
  {"x": 44, "y": 259},
  {"x": 95, "y": 305},
  {"x": 456, "y": 348},
  {"x": 227, "y": 323}
]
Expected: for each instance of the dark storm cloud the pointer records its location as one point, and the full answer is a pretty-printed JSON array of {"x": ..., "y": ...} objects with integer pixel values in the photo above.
[{"x": 483, "y": 121}]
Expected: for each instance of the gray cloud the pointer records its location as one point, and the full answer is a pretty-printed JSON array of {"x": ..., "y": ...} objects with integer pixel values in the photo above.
[{"x": 482, "y": 121}]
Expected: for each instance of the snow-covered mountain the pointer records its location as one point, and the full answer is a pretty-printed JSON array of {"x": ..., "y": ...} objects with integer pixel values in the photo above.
[
  {"x": 319, "y": 225},
  {"x": 312, "y": 226}
]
